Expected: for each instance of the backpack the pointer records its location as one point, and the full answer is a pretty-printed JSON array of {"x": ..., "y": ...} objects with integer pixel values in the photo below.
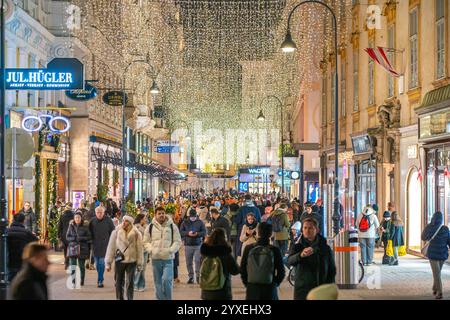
[
  {"x": 260, "y": 265},
  {"x": 364, "y": 224},
  {"x": 151, "y": 227},
  {"x": 211, "y": 274},
  {"x": 277, "y": 223}
]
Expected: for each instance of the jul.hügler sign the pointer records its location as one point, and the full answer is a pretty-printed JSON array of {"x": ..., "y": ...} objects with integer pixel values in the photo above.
[{"x": 61, "y": 74}]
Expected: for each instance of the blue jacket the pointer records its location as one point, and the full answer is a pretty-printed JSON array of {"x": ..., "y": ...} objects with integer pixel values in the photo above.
[
  {"x": 196, "y": 226},
  {"x": 396, "y": 235},
  {"x": 438, "y": 249}
]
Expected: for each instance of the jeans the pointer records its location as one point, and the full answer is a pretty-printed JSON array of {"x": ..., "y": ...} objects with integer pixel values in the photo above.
[
  {"x": 139, "y": 276},
  {"x": 163, "y": 278},
  {"x": 436, "y": 268},
  {"x": 395, "y": 257},
  {"x": 367, "y": 247},
  {"x": 81, "y": 265},
  {"x": 124, "y": 273},
  {"x": 282, "y": 245},
  {"x": 66, "y": 258},
  {"x": 100, "y": 266},
  {"x": 193, "y": 254},
  {"x": 176, "y": 263}
]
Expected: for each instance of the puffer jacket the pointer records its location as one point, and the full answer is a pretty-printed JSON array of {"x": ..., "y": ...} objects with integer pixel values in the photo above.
[
  {"x": 284, "y": 221},
  {"x": 374, "y": 224},
  {"x": 161, "y": 245},
  {"x": 245, "y": 239},
  {"x": 439, "y": 246},
  {"x": 120, "y": 240},
  {"x": 79, "y": 234}
]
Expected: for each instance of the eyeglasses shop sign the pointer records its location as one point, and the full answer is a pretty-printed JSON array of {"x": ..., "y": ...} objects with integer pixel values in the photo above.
[{"x": 61, "y": 74}]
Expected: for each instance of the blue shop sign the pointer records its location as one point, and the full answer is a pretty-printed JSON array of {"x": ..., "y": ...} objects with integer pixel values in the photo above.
[
  {"x": 243, "y": 186},
  {"x": 61, "y": 74},
  {"x": 287, "y": 173},
  {"x": 89, "y": 92},
  {"x": 167, "y": 149}
]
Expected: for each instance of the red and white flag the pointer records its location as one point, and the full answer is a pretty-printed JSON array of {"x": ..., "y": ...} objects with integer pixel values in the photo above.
[
  {"x": 419, "y": 174},
  {"x": 378, "y": 55}
]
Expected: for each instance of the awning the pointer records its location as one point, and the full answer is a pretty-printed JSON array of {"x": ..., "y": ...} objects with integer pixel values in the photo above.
[
  {"x": 153, "y": 168},
  {"x": 434, "y": 98}
]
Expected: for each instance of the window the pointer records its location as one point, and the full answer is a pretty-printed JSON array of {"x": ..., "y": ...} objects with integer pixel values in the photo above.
[
  {"x": 371, "y": 78},
  {"x": 414, "y": 48},
  {"x": 440, "y": 39},
  {"x": 333, "y": 95},
  {"x": 391, "y": 57},
  {"x": 343, "y": 89},
  {"x": 355, "y": 80},
  {"x": 324, "y": 100}
]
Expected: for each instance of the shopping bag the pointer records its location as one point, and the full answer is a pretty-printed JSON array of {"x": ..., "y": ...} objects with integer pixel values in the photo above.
[
  {"x": 402, "y": 251},
  {"x": 389, "y": 249}
]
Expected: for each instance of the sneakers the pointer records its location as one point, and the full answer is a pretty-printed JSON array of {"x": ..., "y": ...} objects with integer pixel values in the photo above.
[
  {"x": 100, "y": 285},
  {"x": 439, "y": 296},
  {"x": 190, "y": 281}
]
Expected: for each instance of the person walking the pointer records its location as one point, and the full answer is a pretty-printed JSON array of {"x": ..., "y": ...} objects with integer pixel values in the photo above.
[
  {"x": 262, "y": 269},
  {"x": 63, "y": 226},
  {"x": 396, "y": 237},
  {"x": 313, "y": 260},
  {"x": 18, "y": 238},
  {"x": 31, "y": 281},
  {"x": 161, "y": 240},
  {"x": 30, "y": 218},
  {"x": 437, "y": 237},
  {"x": 217, "y": 221},
  {"x": 217, "y": 267},
  {"x": 249, "y": 233},
  {"x": 367, "y": 224},
  {"x": 231, "y": 217},
  {"x": 125, "y": 248},
  {"x": 78, "y": 238},
  {"x": 385, "y": 229},
  {"x": 241, "y": 217},
  {"x": 140, "y": 223},
  {"x": 193, "y": 231},
  {"x": 100, "y": 227},
  {"x": 280, "y": 227}
]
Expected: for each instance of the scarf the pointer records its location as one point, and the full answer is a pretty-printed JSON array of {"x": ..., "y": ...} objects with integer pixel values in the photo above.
[{"x": 253, "y": 225}]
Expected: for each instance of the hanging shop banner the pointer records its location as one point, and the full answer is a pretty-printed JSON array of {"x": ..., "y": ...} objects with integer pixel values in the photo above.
[
  {"x": 61, "y": 74},
  {"x": 114, "y": 98},
  {"x": 89, "y": 92}
]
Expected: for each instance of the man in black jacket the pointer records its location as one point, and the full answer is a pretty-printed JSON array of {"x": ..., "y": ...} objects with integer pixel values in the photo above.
[
  {"x": 218, "y": 221},
  {"x": 30, "y": 218},
  {"x": 18, "y": 238},
  {"x": 313, "y": 260},
  {"x": 63, "y": 225},
  {"x": 101, "y": 227},
  {"x": 258, "y": 291},
  {"x": 193, "y": 231},
  {"x": 31, "y": 281}
]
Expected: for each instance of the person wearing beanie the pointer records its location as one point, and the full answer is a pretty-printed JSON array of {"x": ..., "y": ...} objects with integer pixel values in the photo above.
[
  {"x": 385, "y": 228},
  {"x": 262, "y": 278},
  {"x": 125, "y": 248},
  {"x": 192, "y": 232}
]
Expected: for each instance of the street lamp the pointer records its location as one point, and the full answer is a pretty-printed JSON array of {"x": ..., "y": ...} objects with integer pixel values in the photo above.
[
  {"x": 289, "y": 45},
  {"x": 262, "y": 118},
  {"x": 154, "y": 90}
]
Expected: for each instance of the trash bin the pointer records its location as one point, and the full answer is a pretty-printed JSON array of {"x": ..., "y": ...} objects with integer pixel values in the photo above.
[{"x": 346, "y": 257}]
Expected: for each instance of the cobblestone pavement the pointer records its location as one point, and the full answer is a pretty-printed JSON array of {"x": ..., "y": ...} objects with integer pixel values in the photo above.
[{"x": 412, "y": 279}]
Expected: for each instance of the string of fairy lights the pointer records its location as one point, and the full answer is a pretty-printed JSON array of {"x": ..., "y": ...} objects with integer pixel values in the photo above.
[{"x": 215, "y": 60}]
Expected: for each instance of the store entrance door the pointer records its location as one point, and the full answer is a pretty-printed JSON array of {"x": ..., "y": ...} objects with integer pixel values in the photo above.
[{"x": 413, "y": 211}]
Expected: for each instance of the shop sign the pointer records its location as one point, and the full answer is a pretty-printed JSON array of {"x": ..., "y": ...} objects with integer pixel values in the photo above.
[
  {"x": 287, "y": 173},
  {"x": 265, "y": 170},
  {"x": 61, "y": 74},
  {"x": 166, "y": 143},
  {"x": 412, "y": 151},
  {"x": 33, "y": 123},
  {"x": 114, "y": 98},
  {"x": 295, "y": 175},
  {"x": 167, "y": 149},
  {"x": 362, "y": 144},
  {"x": 78, "y": 197},
  {"x": 243, "y": 186},
  {"x": 89, "y": 92}
]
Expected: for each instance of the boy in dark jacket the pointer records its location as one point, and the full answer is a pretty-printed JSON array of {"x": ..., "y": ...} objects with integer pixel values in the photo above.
[
  {"x": 218, "y": 221},
  {"x": 313, "y": 260},
  {"x": 386, "y": 226},
  {"x": 193, "y": 231},
  {"x": 256, "y": 291}
]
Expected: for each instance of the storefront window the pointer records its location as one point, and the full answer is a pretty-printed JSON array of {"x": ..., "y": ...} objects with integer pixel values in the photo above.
[
  {"x": 431, "y": 194},
  {"x": 366, "y": 187}
]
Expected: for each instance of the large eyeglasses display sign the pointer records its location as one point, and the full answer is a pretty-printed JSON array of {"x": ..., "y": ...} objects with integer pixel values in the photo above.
[{"x": 33, "y": 123}]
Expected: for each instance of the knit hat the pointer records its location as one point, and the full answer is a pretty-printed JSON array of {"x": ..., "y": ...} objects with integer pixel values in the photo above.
[
  {"x": 375, "y": 207},
  {"x": 324, "y": 292},
  {"x": 128, "y": 218},
  {"x": 386, "y": 214}
]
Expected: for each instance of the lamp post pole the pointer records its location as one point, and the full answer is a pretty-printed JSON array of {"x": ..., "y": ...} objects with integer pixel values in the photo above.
[{"x": 289, "y": 45}]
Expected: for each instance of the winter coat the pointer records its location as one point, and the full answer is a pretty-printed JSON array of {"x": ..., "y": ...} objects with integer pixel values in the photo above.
[
  {"x": 374, "y": 225},
  {"x": 194, "y": 226},
  {"x": 284, "y": 234},
  {"x": 223, "y": 223},
  {"x": 246, "y": 240},
  {"x": 86, "y": 214},
  {"x": 18, "y": 238},
  {"x": 100, "y": 232},
  {"x": 387, "y": 226},
  {"x": 230, "y": 216},
  {"x": 241, "y": 218},
  {"x": 63, "y": 225},
  {"x": 230, "y": 267},
  {"x": 132, "y": 242},
  {"x": 396, "y": 235},
  {"x": 29, "y": 284},
  {"x": 140, "y": 228},
  {"x": 439, "y": 246},
  {"x": 79, "y": 234},
  {"x": 262, "y": 291},
  {"x": 313, "y": 271},
  {"x": 313, "y": 215},
  {"x": 161, "y": 245},
  {"x": 30, "y": 220}
]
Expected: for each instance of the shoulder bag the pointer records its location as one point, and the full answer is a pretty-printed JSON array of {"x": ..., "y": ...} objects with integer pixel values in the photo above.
[
  {"x": 425, "y": 248},
  {"x": 74, "y": 250}
]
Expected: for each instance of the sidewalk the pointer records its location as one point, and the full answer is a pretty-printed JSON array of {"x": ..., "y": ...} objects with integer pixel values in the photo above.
[{"x": 412, "y": 279}]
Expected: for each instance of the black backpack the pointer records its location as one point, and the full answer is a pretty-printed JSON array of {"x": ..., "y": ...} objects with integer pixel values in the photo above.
[
  {"x": 260, "y": 265},
  {"x": 151, "y": 228}
]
